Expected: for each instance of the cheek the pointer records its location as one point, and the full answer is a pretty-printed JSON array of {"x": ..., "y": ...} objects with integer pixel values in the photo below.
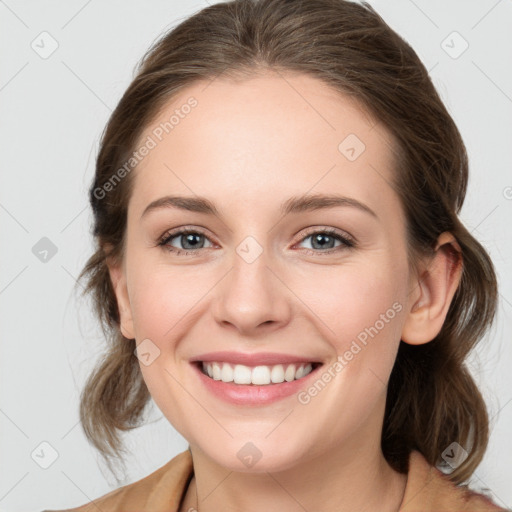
[
  {"x": 162, "y": 299},
  {"x": 361, "y": 308},
  {"x": 162, "y": 304}
]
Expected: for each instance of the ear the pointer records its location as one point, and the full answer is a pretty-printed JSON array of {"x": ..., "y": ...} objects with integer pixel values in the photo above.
[
  {"x": 433, "y": 291},
  {"x": 118, "y": 279}
]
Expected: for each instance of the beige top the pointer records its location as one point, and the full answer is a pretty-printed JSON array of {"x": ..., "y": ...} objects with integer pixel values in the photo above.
[{"x": 427, "y": 490}]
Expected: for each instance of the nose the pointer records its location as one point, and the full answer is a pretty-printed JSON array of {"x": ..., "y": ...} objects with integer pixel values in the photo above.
[{"x": 252, "y": 298}]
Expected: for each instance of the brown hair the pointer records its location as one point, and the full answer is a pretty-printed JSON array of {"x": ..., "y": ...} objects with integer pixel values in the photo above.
[{"x": 432, "y": 400}]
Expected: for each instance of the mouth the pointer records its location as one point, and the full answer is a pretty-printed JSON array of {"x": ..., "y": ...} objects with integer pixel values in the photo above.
[
  {"x": 257, "y": 379},
  {"x": 260, "y": 375}
]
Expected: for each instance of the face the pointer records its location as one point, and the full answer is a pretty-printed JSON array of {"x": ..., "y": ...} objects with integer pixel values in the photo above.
[{"x": 269, "y": 280}]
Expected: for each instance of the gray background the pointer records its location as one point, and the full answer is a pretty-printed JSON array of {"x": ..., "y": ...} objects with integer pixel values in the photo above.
[{"x": 52, "y": 113}]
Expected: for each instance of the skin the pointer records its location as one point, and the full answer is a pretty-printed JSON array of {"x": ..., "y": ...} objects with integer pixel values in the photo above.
[{"x": 248, "y": 146}]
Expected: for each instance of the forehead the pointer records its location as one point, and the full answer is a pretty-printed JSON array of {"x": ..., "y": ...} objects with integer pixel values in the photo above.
[{"x": 257, "y": 139}]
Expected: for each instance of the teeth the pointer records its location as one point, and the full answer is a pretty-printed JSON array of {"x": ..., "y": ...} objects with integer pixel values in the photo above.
[
  {"x": 226, "y": 373},
  {"x": 277, "y": 374},
  {"x": 289, "y": 374},
  {"x": 257, "y": 375},
  {"x": 242, "y": 374},
  {"x": 216, "y": 371}
]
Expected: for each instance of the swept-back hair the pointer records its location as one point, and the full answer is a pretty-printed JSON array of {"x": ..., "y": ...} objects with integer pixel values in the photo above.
[{"x": 432, "y": 400}]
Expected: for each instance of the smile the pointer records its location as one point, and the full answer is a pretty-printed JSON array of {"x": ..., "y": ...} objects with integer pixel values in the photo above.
[
  {"x": 254, "y": 379},
  {"x": 257, "y": 375}
]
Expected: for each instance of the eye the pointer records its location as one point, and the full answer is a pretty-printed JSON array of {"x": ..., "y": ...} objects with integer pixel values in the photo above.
[
  {"x": 192, "y": 240},
  {"x": 324, "y": 240},
  {"x": 189, "y": 238}
]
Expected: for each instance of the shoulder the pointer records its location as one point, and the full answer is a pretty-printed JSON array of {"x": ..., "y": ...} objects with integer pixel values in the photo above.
[
  {"x": 160, "y": 491},
  {"x": 430, "y": 490}
]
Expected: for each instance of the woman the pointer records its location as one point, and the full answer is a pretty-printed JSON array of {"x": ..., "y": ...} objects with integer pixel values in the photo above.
[{"x": 281, "y": 267}]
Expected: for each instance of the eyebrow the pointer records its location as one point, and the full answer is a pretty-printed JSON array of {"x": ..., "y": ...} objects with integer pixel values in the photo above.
[{"x": 295, "y": 204}]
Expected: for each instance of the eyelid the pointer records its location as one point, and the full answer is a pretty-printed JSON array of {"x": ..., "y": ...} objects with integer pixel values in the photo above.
[
  {"x": 347, "y": 240},
  {"x": 343, "y": 235},
  {"x": 182, "y": 230},
  {"x": 171, "y": 233}
]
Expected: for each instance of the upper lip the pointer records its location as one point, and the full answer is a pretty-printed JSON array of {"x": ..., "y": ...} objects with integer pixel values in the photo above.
[{"x": 254, "y": 359}]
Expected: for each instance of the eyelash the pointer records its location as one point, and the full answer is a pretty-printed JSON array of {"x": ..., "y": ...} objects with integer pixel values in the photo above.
[{"x": 347, "y": 242}]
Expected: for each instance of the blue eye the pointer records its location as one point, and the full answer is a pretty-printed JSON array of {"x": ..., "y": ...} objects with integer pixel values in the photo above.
[
  {"x": 192, "y": 240},
  {"x": 323, "y": 239},
  {"x": 187, "y": 237}
]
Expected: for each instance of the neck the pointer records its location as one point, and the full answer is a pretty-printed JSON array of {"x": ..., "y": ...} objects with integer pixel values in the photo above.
[{"x": 352, "y": 477}]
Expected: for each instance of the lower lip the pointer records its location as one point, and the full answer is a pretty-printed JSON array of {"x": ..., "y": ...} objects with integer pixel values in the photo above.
[{"x": 250, "y": 394}]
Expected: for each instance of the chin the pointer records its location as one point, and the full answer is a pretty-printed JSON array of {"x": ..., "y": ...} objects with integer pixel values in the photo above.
[{"x": 258, "y": 456}]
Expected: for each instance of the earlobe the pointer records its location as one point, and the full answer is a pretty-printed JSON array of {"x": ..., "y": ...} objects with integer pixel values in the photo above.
[
  {"x": 433, "y": 292},
  {"x": 118, "y": 280}
]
